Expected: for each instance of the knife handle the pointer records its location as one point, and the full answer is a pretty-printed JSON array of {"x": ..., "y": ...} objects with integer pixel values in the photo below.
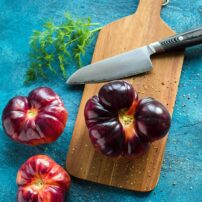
[{"x": 183, "y": 40}]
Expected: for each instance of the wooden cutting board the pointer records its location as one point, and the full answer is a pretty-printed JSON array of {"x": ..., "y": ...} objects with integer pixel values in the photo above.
[{"x": 140, "y": 174}]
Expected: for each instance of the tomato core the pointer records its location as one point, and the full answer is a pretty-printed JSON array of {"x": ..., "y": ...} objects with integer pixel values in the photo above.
[
  {"x": 125, "y": 118},
  {"x": 38, "y": 184},
  {"x": 32, "y": 113}
]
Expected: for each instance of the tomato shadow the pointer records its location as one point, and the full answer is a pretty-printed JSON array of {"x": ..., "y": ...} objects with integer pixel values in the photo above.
[
  {"x": 89, "y": 191},
  {"x": 14, "y": 153},
  {"x": 79, "y": 88}
]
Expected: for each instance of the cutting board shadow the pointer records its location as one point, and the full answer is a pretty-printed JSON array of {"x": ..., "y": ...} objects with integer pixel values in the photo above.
[{"x": 140, "y": 174}]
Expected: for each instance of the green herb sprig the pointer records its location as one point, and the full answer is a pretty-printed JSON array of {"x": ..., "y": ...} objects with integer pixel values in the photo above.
[{"x": 58, "y": 45}]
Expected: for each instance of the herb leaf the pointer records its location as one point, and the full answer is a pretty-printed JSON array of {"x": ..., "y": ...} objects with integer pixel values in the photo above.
[{"x": 54, "y": 47}]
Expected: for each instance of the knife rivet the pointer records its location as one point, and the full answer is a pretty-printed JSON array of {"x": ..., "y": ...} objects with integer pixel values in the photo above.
[{"x": 180, "y": 38}]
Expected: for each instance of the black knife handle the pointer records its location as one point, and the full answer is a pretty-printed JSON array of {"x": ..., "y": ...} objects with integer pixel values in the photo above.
[{"x": 183, "y": 40}]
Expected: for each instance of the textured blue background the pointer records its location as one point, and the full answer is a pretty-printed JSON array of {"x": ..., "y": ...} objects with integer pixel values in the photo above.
[{"x": 181, "y": 176}]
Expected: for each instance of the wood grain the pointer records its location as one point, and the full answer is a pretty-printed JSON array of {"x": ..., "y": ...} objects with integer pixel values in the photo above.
[{"x": 140, "y": 174}]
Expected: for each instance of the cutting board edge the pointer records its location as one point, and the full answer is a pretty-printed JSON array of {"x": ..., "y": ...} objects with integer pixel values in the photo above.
[{"x": 112, "y": 185}]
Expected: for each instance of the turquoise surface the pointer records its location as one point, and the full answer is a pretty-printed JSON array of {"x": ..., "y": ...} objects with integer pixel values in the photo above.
[{"x": 181, "y": 175}]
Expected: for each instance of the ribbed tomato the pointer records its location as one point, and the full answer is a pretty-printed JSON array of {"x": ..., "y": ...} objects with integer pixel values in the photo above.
[
  {"x": 37, "y": 119},
  {"x": 40, "y": 179},
  {"x": 120, "y": 124}
]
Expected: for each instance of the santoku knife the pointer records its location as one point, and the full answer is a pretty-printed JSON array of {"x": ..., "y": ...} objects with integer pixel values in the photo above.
[{"x": 133, "y": 62}]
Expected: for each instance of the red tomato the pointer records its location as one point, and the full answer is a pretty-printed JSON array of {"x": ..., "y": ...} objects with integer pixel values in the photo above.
[
  {"x": 40, "y": 179},
  {"x": 37, "y": 119}
]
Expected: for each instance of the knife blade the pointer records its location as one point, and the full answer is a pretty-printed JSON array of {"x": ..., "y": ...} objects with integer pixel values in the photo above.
[{"x": 133, "y": 62}]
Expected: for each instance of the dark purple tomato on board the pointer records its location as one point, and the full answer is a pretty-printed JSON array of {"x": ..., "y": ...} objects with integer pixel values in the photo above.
[{"x": 120, "y": 124}]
